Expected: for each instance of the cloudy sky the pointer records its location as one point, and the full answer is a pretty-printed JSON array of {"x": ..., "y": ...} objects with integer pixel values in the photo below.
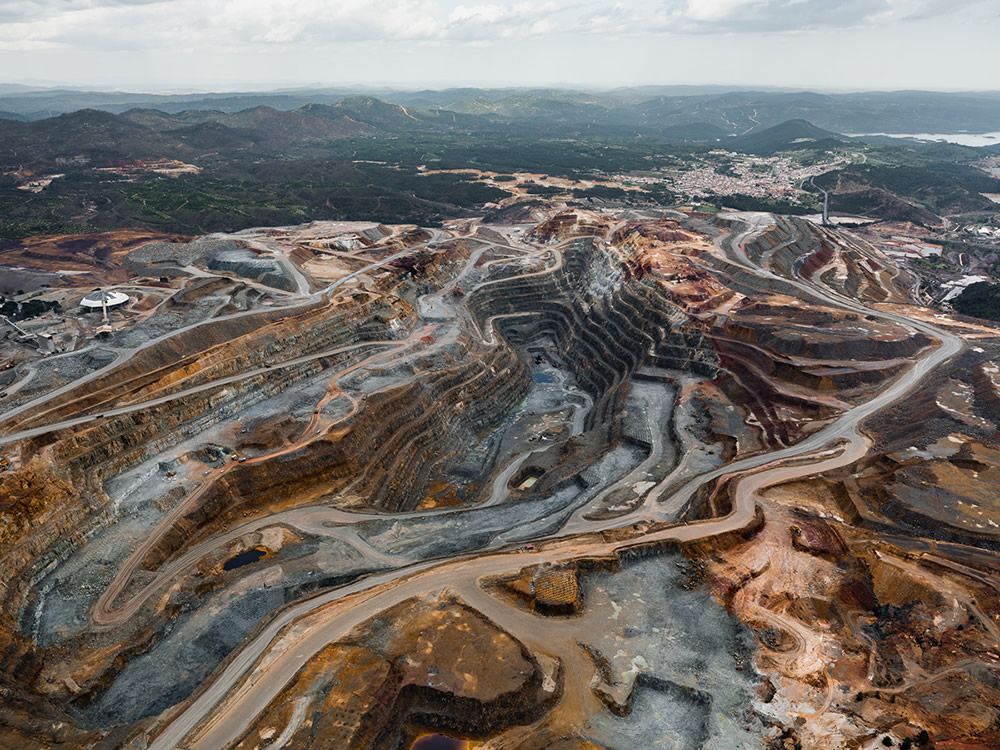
[{"x": 253, "y": 44}]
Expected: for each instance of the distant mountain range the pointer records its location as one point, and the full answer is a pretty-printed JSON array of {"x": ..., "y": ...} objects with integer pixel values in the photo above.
[
  {"x": 364, "y": 156},
  {"x": 647, "y": 110},
  {"x": 107, "y": 139}
]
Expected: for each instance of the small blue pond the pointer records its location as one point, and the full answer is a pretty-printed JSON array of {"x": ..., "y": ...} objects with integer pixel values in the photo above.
[{"x": 244, "y": 558}]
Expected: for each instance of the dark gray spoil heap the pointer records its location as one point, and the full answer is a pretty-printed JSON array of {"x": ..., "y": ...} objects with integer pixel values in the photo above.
[
  {"x": 224, "y": 255},
  {"x": 248, "y": 265}
]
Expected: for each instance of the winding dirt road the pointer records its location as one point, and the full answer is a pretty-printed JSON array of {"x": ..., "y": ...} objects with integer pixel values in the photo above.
[{"x": 254, "y": 675}]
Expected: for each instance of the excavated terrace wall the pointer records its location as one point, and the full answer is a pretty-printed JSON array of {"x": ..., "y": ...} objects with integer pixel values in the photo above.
[{"x": 82, "y": 459}]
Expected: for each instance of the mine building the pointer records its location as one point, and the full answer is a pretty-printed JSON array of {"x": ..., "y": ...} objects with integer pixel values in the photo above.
[{"x": 104, "y": 300}]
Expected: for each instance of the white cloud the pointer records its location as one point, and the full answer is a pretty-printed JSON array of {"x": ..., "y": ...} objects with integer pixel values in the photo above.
[
  {"x": 493, "y": 21},
  {"x": 718, "y": 10},
  {"x": 755, "y": 16},
  {"x": 553, "y": 40},
  {"x": 109, "y": 23}
]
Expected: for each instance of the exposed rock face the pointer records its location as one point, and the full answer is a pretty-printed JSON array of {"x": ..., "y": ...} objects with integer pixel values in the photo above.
[
  {"x": 986, "y": 377},
  {"x": 428, "y": 664},
  {"x": 251, "y": 454},
  {"x": 794, "y": 247},
  {"x": 551, "y": 590},
  {"x": 342, "y": 698},
  {"x": 556, "y": 589},
  {"x": 94, "y": 255},
  {"x": 570, "y": 224},
  {"x": 654, "y": 233}
]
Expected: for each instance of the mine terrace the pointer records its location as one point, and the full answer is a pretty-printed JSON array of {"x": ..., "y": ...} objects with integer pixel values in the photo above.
[{"x": 609, "y": 477}]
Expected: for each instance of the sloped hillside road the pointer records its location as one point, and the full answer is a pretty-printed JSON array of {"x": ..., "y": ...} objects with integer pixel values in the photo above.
[{"x": 240, "y": 690}]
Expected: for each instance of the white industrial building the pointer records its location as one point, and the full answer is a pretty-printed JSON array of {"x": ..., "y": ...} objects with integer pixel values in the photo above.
[{"x": 101, "y": 299}]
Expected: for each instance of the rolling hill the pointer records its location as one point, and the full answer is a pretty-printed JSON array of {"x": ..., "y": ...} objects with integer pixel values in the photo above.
[
  {"x": 788, "y": 136},
  {"x": 648, "y": 109}
]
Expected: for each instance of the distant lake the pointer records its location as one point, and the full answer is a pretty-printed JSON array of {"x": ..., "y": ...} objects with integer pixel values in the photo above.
[{"x": 965, "y": 139}]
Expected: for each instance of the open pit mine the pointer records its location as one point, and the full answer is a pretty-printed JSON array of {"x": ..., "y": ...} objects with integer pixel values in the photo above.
[{"x": 607, "y": 480}]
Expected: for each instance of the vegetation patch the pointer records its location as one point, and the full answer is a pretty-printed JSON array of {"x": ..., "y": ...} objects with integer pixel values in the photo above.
[{"x": 981, "y": 300}]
